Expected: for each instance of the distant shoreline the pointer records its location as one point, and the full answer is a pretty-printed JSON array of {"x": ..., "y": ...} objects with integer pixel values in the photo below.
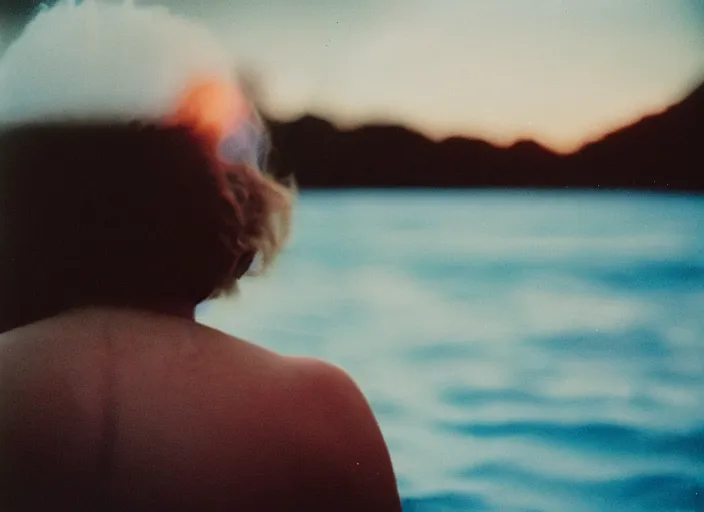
[
  {"x": 661, "y": 152},
  {"x": 576, "y": 191}
]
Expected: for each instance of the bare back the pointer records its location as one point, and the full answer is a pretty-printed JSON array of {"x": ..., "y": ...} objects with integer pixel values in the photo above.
[{"x": 142, "y": 411}]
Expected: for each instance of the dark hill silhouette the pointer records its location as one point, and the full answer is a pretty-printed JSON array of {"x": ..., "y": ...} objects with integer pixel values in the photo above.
[
  {"x": 660, "y": 152},
  {"x": 664, "y": 151}
]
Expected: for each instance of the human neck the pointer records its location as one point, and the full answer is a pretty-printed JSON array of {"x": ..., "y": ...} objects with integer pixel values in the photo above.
[
  {"x": 183, "y": 311},
  {"x": 175, "y": 310}
]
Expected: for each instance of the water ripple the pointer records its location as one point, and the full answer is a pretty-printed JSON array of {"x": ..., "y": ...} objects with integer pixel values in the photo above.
[
  {"x": 607, "y": 437},
  {"x": 649, "y": 491},
  {"x": 448, "y": 502}
]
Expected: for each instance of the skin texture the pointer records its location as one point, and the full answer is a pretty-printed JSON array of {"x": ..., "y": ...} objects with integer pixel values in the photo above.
[{"x": 119, "y": 409}]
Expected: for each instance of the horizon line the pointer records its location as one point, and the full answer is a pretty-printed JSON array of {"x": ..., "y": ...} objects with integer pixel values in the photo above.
[{"x": 370, "y": 121}]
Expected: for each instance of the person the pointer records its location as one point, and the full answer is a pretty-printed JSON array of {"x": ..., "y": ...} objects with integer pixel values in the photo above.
[{"x": 112, "y": 230}]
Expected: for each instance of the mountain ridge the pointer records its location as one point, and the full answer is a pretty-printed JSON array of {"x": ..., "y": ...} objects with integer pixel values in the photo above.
[{"x": 661, "y": 151}]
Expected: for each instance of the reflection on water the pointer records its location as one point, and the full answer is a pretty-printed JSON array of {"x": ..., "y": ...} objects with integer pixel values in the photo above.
[{"x": 522, "y": 351}]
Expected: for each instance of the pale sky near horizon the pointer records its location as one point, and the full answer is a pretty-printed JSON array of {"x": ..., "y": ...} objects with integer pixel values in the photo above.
[{"x": 560, "y": 71}]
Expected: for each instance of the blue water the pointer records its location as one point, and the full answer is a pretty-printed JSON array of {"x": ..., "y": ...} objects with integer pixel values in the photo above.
[{"x": 522, "y": 351}]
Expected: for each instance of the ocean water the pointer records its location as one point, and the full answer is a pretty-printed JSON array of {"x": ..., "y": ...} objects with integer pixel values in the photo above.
[{"x": 523, "y": 351}]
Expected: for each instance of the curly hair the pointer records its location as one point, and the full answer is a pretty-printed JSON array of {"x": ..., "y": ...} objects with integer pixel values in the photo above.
[{"x": 127, "y": 214}]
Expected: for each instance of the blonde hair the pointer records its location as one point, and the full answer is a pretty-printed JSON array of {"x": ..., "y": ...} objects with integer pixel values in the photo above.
[
  {"x": 261, "y": 218},
  {"x": 131, "y": 214}
]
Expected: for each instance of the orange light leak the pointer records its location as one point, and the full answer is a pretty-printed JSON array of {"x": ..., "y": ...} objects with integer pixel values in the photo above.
[{"x": 213, "y": 109}]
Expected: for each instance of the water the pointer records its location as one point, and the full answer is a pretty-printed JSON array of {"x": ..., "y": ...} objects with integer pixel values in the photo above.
[{"x": 522, "y": 351}]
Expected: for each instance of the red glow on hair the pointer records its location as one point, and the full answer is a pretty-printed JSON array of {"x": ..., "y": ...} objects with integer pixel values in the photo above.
[{"x": 212, "y": 108}]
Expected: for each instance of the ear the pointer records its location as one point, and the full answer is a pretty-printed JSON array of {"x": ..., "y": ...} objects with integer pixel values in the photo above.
[{"x": 243, "y": 263}]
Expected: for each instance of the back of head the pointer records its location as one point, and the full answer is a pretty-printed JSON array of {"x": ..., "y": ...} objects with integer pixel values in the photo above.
[{"x": 130, "y": 166}]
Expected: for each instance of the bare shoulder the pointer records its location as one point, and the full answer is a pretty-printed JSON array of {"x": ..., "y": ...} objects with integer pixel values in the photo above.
[
  {"x": 336, "y": 454},
  {"x": 329, "y": 388},
  {"x": 347, "y": 464}
]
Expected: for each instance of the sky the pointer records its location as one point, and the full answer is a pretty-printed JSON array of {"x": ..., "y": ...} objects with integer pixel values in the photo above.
[{"x": 562, "y": 72}]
